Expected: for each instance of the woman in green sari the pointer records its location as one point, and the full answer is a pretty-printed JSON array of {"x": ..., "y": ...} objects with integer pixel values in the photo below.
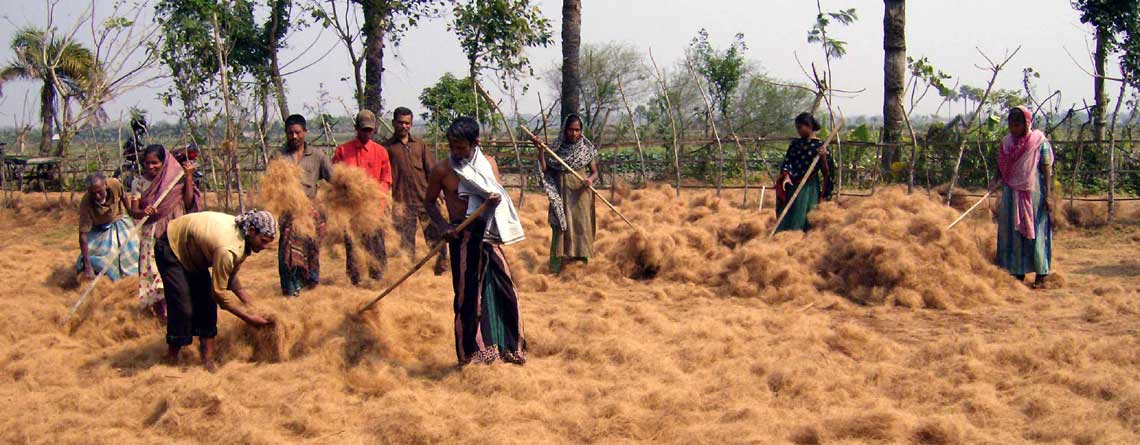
[
  {"x": 1025, "y": 223},
  {"x": 818, "y": 185}
]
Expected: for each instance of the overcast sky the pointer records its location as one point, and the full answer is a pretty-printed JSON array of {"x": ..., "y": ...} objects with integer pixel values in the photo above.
[{"x": 948, "y": 32}]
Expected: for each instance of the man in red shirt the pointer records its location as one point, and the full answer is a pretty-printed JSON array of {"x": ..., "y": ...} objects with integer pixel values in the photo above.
[{"x": 365, "y": 153}]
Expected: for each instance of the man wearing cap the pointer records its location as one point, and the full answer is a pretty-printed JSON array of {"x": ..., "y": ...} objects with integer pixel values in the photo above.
[
  {"x": 411, "y": 167},
  {"x": 366, "y": 154}
]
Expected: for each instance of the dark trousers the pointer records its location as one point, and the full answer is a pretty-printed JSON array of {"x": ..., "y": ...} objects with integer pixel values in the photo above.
[
  {"x": 190, "y": 307},
  {"x": 374, "y": 246},
  {"x": 406, "y": 224}
]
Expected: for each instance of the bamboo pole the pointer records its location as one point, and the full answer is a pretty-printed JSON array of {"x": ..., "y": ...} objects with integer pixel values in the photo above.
[
  {"x": 636, "y": 135},
  {"x": 792, "y": 199},
  {"x": 657, "y": 73},
  {"x": 551, "y": 153},
  {"x": 115, "y": 252},
  {"x": 712, "y": 123},
  {"x": 419, "y": 265},
  {"x": 971, "y": 209}
]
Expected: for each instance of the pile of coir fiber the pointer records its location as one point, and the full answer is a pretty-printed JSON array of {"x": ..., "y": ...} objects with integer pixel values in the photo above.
[{"x": 889, "y": 249}]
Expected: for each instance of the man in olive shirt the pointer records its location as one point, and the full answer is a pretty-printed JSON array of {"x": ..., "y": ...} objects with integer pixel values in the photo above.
[
  {"x": 299, "y": 257},
  {"x": 411, "y": 166},
  {"x": 198, "y": 259},
  {"x": 106, "y": 233}
]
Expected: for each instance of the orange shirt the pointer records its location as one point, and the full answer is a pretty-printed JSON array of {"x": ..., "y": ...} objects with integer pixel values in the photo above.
[{"x": 371, "y": 157}]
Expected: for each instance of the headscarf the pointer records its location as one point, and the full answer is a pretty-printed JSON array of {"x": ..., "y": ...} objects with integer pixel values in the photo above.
[
  {"x": 1018, "y": 160},
  {"x": 260, "y": 221},
  {"x": 172, "y": 205},
  {"x": 577, "y": 155}
]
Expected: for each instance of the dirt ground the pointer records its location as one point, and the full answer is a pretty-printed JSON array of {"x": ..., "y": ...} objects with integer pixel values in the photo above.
[{"x": 876, "y": 328}]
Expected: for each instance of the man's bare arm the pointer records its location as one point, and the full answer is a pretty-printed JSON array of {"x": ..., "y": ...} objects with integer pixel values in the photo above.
[{"x": 431, "y": 197}]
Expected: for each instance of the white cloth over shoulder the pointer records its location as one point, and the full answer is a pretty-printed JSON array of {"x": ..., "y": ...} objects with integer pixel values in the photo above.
[{"x": 476, "y": 182}]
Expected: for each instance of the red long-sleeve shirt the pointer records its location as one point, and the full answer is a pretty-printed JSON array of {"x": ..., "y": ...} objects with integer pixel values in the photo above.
[{"x": 371, "y": 157}]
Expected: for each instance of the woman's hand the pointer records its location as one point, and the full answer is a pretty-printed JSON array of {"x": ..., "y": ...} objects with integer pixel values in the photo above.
[
  {"x": 590, "y": 180},
  {"x": 149, "y": 211},
  {"x": 824, "y": 151},
  {"x": 787, "y": 182},
  {"x": 188, "y": 170},
  {"x": 88, "y": 273}
]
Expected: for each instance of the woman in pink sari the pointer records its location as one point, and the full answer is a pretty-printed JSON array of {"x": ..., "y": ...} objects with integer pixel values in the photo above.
[
  {"x": 160, "y": 172},
  {"x": 1025, "y": 225}
]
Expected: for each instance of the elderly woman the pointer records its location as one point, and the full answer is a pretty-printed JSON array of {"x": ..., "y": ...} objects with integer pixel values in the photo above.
[
  {"x": 1025, "y": 224},
  {"x": 817, "y": 185},
  {"x": 106, "y": 233},
  {"x": 160, "y": 173},
  {"x": 571, "y": 216}
]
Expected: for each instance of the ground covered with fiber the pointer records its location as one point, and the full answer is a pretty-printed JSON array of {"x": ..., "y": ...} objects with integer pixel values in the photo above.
[{"x": 876, "y": 327}]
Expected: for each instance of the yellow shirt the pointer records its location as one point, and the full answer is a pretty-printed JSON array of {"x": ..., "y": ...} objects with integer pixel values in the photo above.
[{"x": 210, "y": 241}]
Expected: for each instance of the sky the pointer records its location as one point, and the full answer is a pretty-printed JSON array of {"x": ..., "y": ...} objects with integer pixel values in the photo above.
[{"x": 949, "y": 33}]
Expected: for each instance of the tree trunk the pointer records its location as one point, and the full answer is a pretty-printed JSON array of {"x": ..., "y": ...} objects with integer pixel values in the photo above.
[
  {"x": 279, "y": 8},
  {"x": 571, "y": 42},
  {"x": 1101, "y": 101},
  {"x": 894, "y": 78},
  {"x": 376, "y": 17},
  {"x": 47, "y": 114}
]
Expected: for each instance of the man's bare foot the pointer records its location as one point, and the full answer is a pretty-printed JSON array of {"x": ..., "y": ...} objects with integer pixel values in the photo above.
[
  {"x": 210, "y": 366},
  {"x": 1039, "y": 282}
]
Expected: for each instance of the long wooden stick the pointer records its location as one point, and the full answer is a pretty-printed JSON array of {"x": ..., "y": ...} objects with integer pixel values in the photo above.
[
  {"x": 971, "y": 209},
  {"x": 115, "y": 252},
  {"x": 419, "y": 265},
  {"x": 807, "y": 175},
  {"x": 550, "y": 152}
]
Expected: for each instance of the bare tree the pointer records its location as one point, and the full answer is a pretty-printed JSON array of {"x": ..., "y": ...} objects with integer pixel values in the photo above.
[{"x": 994, "y": 69}]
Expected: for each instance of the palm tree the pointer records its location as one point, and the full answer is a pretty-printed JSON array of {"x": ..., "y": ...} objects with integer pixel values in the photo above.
[
  {"x": 43, "y": 57},
  {"x": 571, "y": 41},
  {"x": 894, "y": 78}
]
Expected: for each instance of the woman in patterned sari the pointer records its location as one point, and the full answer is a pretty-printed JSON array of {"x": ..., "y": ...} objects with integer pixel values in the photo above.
[
  {"x": 818, "y": 185},
  {"x": 160, "y": 172},
  {"x": 571, "y": 214},
  {"x": 1025, "y": 223}
]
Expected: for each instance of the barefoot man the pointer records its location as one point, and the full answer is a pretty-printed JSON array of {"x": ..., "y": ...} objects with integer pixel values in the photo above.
[
  {"x": 198, "y": 260},
  {"x": 487, "y": 324}
]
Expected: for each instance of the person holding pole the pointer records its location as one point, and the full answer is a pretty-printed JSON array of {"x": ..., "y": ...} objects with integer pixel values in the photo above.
[
  {"x": 817, "y": 185},
  {"x": 572, "y": 217},
  {"x": 160, "y": 171},
  {"x": 488, "y": 326},
  {"x": 1025, "y": 220}
]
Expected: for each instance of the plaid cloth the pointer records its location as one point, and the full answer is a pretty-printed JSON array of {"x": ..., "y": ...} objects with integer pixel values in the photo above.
[{"x": 113, "y": 246}]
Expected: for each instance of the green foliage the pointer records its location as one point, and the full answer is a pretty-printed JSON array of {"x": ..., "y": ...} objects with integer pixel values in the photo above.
[
  {"x": 494, "y": 33},
  {"x": 818, "y": 34},
  {"x": 922, "y": 70},
  {"x": 449, "y": 99},
  {"x": 722, "y": 69},
  {"x": 188, "y": 49},
  {"x": 1119, "y": 21},
  {"x": 861, "y": 134},
  {"x": 38, "y": 53}
]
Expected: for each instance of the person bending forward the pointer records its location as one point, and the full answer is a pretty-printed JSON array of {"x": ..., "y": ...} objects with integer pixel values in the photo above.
[{"x": 198, "y": 259}]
